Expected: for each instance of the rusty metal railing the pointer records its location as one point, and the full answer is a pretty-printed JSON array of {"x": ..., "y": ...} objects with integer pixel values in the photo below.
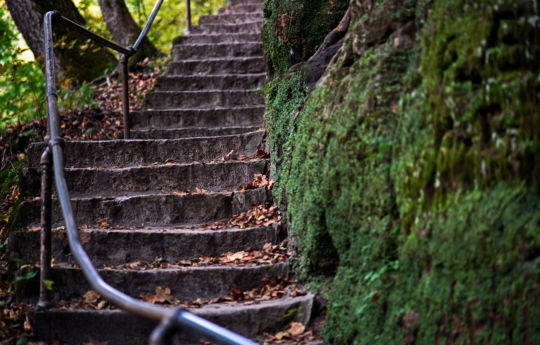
[
  {"x": 170, "y": 319},
  {"x": 188, "y": 16}
]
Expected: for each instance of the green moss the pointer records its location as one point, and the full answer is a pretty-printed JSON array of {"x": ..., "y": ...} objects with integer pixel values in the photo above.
[
  {"x": 293, "y": 29},
  {"x": 284, "y": 99},
  {"x": 411, "y": 176}
]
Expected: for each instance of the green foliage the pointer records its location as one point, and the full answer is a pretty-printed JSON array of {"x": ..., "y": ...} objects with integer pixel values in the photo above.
[
  {"x": 90, "y": 11},
  {"x": 293, "y": 29},
  {"x": 22, "y": 86},
  {"x": 411, "y": 176},
  {"x": 171, "y": 20},
  {"x": 22, "y": 83}
]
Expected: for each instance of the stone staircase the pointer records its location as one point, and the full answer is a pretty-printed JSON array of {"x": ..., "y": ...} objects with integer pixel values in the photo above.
[{"x": 147, "y": 199}]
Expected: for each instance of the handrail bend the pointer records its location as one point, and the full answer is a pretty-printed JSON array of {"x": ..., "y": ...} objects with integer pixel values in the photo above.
[{"x": 170, "y": 318}]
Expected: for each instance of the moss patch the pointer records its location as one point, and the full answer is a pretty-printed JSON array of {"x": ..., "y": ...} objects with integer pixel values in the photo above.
[{"x": 293, "y": 29}]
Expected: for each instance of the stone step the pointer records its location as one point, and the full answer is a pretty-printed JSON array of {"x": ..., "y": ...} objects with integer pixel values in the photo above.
[
  {"x": 119, "y": 328},
  {"x": 242, "y": 8},
  {"x": 120, "y": 246},
  {"x": 218, "y": 117},
  {"x": 203, "y": 98},
  {"x": 231, "y": 65},
  {"x": 254, "y": 27},
  {"x": 177, "y": 133},
  {"x": 236, "y": 18},
  {"x": 205, "y": 50},
  {"x": 217, "y": 38},
  {"x": 218, "y": 176},
  {"x": 242, "y": 2},
  {"x": 138, "y": 152},
  {"x": 212, "y": 82},
  {"x": 186, "y": 284},
  {"x": 141, "y": 210}
]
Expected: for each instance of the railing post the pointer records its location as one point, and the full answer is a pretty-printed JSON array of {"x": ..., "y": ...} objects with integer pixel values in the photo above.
[
  {"x": 188, "y": 16},
  {"x": 125, "y": 94},
  {"x": 163, "y": 333},
  {"x": 45, "y": 254}
]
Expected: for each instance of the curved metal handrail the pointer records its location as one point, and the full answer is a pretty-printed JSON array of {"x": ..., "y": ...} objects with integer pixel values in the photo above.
[{"x": 170, "y": 318}]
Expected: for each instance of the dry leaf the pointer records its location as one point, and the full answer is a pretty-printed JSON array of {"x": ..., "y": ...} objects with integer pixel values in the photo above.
[
  {"x": 148, "y": 297},
  {"x": 296, "y": 329},
  {"x": 229, "y": 155},
  {"x": 91, "y": 297},
  {"x": 281, "y": 335},
  {"x": 85, "y": 237},
  {"x": 237, "y": 294}
]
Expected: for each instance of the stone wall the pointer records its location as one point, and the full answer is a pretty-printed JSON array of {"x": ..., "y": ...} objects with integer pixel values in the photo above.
[{"x": 410, "y": 174}]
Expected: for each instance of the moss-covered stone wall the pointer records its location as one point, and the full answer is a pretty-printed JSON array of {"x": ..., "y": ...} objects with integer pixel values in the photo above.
[
  {"x": 411, "y": 174},
  {"x": 293, "y": 29}
]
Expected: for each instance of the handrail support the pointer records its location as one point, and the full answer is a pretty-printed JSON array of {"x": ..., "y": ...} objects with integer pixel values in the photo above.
[
  {"x": 124, "y": 60},
  {"x": 188, "y": 16},
  {"x": 163, "y": 333},
  {"x": 45, "y": 241}
]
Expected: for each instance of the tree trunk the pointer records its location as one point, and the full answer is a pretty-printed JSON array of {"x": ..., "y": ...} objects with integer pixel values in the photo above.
[
  {"x": 72, "y": 56},
  {"x": 123, "y": 28}
]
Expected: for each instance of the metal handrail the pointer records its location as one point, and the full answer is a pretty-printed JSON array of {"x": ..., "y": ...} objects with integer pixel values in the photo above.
[{"x": 171, "y": 319}]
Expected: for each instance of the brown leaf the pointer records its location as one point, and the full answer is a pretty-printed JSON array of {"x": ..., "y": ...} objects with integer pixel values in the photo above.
[
  {"x": 162, "y": 294},
  {"x": 85, "y": 237},
  {"x": 91, "y": 297},
  {"x": 229, "y": 155},
  {"x": 103, "y": 223},
  {"x": 237, "y": 294},
  {"x": 296, "y": 329},
  {"x": 281, "y": 335},
  {"x": 148, "y": 297}
]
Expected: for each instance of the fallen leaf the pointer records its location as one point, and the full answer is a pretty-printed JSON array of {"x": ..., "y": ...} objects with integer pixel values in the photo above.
[
  {"x": 296, "y": 329},
  {"x": 85, "y": 237},
  {"x": 281, "y": 335},
  {"x": 91, "y": 297},
  {"x": 229, "y": 155},
  {"x": 148, "y": 297},
  {"x": 237, "y": 294}
]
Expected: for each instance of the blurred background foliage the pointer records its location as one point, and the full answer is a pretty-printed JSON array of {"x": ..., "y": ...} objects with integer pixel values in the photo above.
[{"x": 22, "y": 83}]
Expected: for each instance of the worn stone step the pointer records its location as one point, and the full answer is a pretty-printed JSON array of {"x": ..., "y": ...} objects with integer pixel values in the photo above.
[
  {"x": 203, "y": 98},
  {"x": 246, "y": 27},
  {"x": 217, "y": 38},
  {"x": 120, "y": 246},
  {"x": 176, "y": 133},
  {"x": 235, "y": 18},
  {"x": 242, "y": 8},
  {"x": 186, "y": 284},
  {"x": 206, "y": 50},
  {"x": 216, "y": 176},
  {"x": 140, "y": 210},
  {"x": 253, "y": 81},
  {"x": 120, "y": 328},
  {"x": 230, "y": 65},
  {"x": 242, "y": 2},
  {"x": 137, "y": 152},
  {"x": 218, "y": 117}
]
